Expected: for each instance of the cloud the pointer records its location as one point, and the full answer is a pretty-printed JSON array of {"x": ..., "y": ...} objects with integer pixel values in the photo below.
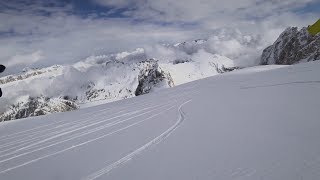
[
  {"x": 61, "y": 36},
  {"x": 64, "y": 38},
  {"x": 25, "y": 59},
  {"x": 117, "y": 3},
  {"x": 199, "y": 10},
  {"x": 244, "y": 49}
]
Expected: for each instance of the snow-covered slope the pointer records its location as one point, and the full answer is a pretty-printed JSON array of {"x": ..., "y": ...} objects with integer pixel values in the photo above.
[{"x": 255, "y": 123}]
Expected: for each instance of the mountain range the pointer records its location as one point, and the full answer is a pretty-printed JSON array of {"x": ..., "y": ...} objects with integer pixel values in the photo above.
[{"x": 106, "y": 78}]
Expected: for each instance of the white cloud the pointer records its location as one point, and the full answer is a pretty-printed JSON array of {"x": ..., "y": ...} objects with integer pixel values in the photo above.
[
  {"x": 25, "y": 59},
  {"x": 199, "y": 10},
  {"x": 66, "y": 39},
  {"x": 61, "y": 37}
]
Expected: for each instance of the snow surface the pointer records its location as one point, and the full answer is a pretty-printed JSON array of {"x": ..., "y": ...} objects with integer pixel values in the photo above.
[{"x": 249, "y": 124}]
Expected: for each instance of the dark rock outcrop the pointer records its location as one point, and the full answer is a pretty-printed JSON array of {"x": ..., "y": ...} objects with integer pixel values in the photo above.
[
  {"x": 152, "y": 76},
  {"x": 291, "y": 47}
]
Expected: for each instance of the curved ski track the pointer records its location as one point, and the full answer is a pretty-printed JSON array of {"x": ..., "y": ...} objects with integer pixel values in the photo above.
[
  {"x": 20, "y": 149},
  {"x": 153, "y": 142}
]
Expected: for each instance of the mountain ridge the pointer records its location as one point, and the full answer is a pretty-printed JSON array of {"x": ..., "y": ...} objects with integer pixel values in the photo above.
[
  {"x": 113, "y": 77},
  {"x": 293, "y": 46},
  {"x": 106, "y": 77}
]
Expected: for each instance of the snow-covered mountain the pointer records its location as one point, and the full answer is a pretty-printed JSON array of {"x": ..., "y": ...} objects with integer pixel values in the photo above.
[
  {"x": 111, "y": 77},
  {"x": 107, "y": 78},
  {"x": 38, "y": 106},
  {"x": 293, "y": 46},
  {"x": 34, "y": 90}
]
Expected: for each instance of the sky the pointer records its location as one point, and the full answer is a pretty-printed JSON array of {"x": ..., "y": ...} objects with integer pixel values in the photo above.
[{"x": 38, "y": 33}]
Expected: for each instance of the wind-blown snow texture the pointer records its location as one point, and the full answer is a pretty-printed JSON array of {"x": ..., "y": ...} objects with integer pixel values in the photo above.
[{"x": 255, "y": 123}]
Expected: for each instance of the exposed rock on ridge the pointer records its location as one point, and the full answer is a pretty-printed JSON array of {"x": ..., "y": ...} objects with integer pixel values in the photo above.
[
  {"x": 293, "y": 46},
  {"x": 151, "y": 77},
  {"x": 38, "y": 106}
]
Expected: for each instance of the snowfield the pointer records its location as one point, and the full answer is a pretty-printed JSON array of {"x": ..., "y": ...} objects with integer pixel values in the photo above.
[{"x": 256, "y": 123}]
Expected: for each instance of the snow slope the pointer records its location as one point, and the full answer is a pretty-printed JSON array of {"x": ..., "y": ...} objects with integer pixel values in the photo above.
[{"x": 256, "y": 123}]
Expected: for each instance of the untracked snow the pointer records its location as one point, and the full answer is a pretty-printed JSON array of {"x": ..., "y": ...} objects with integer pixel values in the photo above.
[{"x": 257, "y": 123}]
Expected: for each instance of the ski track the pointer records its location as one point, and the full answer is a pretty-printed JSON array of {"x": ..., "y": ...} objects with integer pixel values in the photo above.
[
  {"x": 29, "y": 140},
  {"x": 84, "y": 143},
  {"x": 28, "y": 137},
  {"x": 94, "y": 113},
  {"x": 281, "y": 84},
  {"x": 35, "y": 131},
  {"x": 62, "y": 133},
  {"x": 151, "y": 143},
  {"x": 45, "y": 131},
  {"x": 22, "y": 133},
  {"x": 72, "y": 137},
  {"x": 50, "y": 132}
]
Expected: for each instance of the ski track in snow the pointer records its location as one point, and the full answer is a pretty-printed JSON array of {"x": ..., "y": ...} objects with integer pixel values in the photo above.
[
  {"x": 27, "y": 134},
  {"x": 30, "y": 141},
  {"x": 35, "y": 136},
  {"x": 78, "y": 124},
  {"x": 90, "y": 114},
  {"x": 58, "y": 124},
  {"x": 83, "y": 143},
  {"x": 15, "y": 156},
  {"x": 153, "y": 142},
  {"x": 281, "y": 84},
  {"x": 66, "y": 139},
  {"x": 25, "y": 137}
]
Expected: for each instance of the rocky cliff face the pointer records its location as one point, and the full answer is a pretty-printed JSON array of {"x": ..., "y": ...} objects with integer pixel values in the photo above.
[
  {"x": 135, "y": 79},
  {"x": 151, "y": 77},
  {"x": 291, "y": 47}
]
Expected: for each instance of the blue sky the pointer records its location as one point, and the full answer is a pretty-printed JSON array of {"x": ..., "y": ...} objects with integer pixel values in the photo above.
[
  {"x": 313, "y": 7},
  {"x": 39, "y": 33}
]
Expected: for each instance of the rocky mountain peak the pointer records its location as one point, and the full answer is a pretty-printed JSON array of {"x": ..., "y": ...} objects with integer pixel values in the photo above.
[{"x": 293, "y": 46}]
